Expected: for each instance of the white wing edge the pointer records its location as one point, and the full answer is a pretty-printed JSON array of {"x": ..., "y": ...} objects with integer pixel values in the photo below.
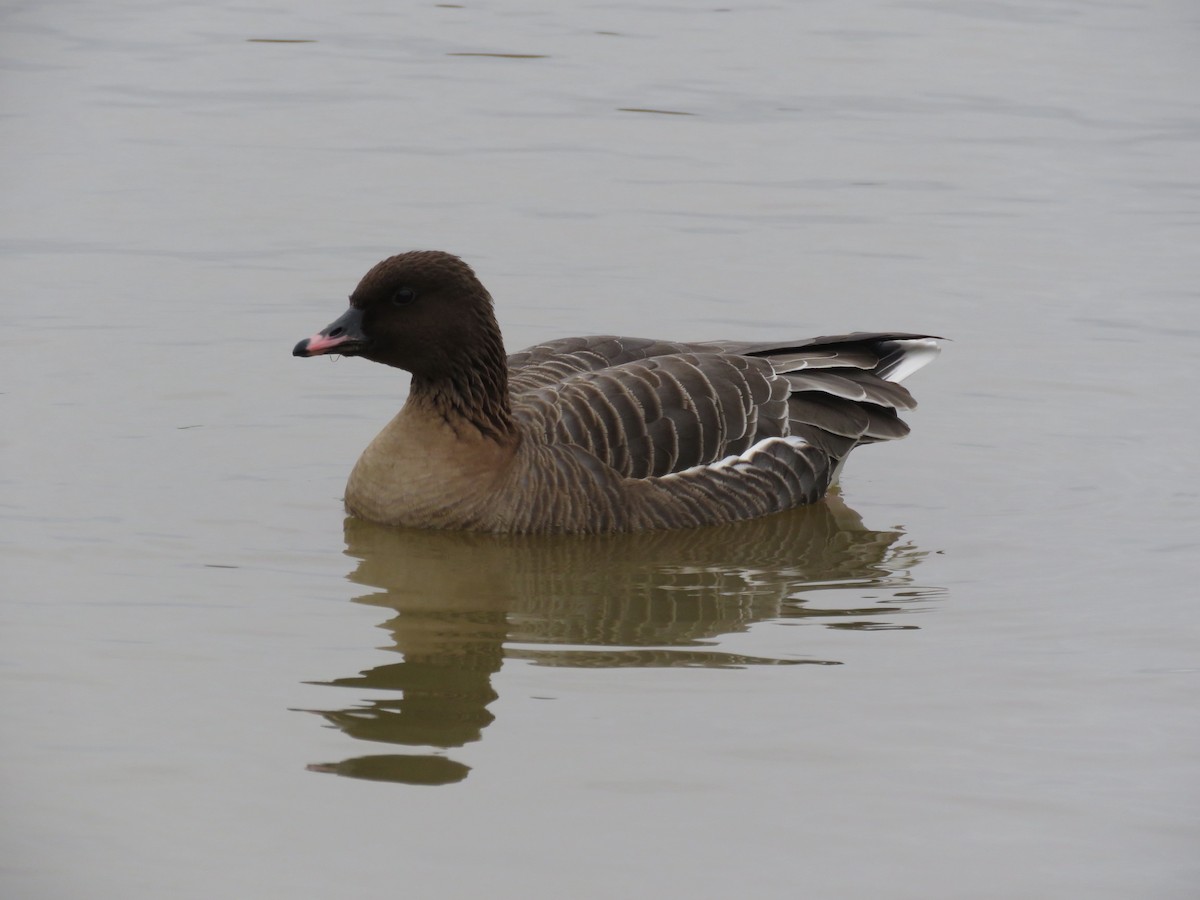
[{"x": 918, "y": 353}]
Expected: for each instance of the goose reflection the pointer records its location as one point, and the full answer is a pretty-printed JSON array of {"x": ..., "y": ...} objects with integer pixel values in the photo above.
[{"x": 464, "y": 602}]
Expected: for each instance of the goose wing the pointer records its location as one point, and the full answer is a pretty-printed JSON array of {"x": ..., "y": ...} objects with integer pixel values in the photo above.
[
  {"x": 661, "y": 414},
  {"x": 655, "y": 408}
]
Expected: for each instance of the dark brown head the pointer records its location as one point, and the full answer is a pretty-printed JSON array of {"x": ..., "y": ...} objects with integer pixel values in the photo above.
[
  {"x": 426, "y": 312},
  {"x": 423, "y": 311}
]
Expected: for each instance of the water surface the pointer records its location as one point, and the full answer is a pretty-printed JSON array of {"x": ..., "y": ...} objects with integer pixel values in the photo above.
[{"x": 972, "y": 675}]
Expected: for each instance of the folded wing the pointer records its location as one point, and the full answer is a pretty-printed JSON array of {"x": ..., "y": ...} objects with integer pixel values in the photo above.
[{"x": 654, "y": 408}]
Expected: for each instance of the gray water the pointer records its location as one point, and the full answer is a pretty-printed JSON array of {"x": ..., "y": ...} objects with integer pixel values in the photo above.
[{"x": 973, "y": 675}]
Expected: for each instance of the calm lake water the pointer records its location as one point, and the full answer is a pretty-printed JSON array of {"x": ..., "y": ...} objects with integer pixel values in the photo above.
[{"x": 973, "y": 675}]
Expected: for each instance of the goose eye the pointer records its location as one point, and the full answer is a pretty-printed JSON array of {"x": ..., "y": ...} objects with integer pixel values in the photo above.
[{"x": 403, "y": 296}]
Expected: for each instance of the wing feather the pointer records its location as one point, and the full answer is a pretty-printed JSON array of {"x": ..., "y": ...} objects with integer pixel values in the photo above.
[
  {"x": 652, "y": 409},
  {"x": 660, "y": 415}
]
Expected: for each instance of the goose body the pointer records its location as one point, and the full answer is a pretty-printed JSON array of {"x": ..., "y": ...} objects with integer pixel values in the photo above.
[{"x": 603, "y": 433}]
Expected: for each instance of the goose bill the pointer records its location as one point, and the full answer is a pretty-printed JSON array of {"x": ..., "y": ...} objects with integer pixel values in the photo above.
[{"x": 344, "y": 336}]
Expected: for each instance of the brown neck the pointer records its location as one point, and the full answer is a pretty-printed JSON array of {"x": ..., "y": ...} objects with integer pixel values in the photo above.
[{"x": 471, "y": 391}]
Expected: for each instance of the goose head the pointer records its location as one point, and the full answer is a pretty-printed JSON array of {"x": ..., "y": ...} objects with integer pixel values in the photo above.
[{"x": 423, "y": 311}]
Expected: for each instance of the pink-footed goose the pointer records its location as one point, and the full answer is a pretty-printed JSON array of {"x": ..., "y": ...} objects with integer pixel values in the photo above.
[{"x": 600, "y": 434}]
